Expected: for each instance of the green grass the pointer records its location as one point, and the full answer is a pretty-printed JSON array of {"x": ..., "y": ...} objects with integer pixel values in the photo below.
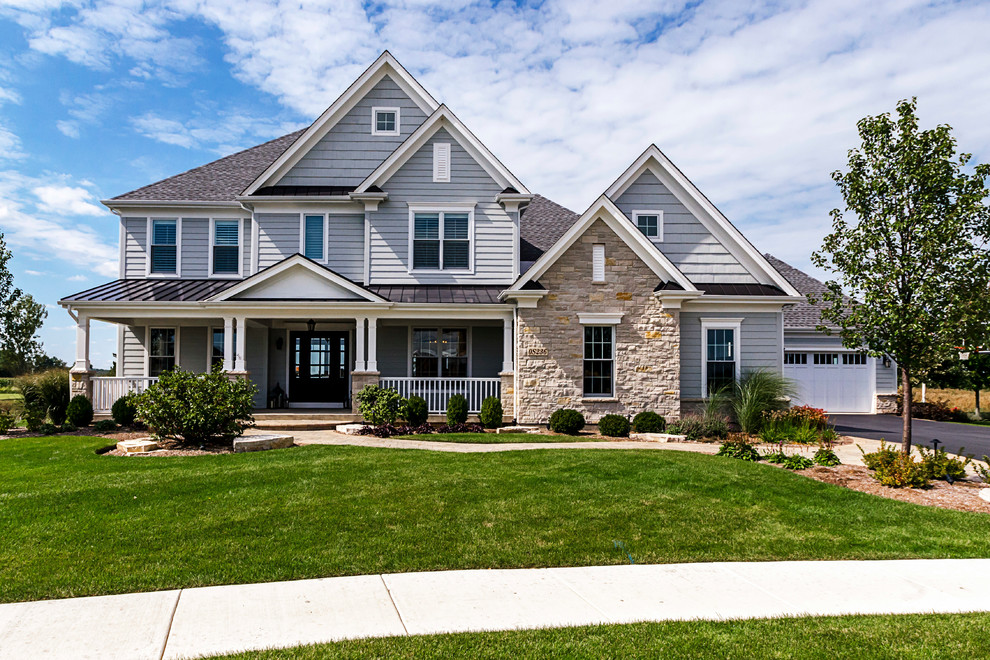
[
  {"x": 74, "y": 523},
  {"x": 905, "y": 637},
  {"x": 494, "y": 438},
  {"x": 10, "y": 396}
]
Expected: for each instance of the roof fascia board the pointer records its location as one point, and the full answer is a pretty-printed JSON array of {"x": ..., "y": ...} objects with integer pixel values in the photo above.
[
  {"x": 443, "y": 118},
  {"x": 707, "y": 213},
  {"x": 292, "y": 262},
  {"x": 386, "y": 64},
  {"x": 617, "y": 222},
  {"x": 130, "y": 204}
]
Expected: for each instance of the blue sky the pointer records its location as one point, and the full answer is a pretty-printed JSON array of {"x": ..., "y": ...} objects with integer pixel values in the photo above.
[{"x": 755, "y": 102}]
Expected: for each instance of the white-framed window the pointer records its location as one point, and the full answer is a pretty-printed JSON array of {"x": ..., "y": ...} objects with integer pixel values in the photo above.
[
  {"x": 163, "y": 350},
  {"x": 854, "y": 359},
  {"x": 216, "y": 348},
  {"x": 313, "y": 236},
  {"x": 441, "y": 162},
  {"x": 598, "y": 263},
  {"x": 385, "y": 121},
  {"x": 164, "y": 243},
  {"x": 439, "y": 352},
  {"x": 650, "y": 223},
  {"x": 226, "y": 258},
  {"x": 441, "y": 239},
  {"x": 720, "y": 343},
  {"x": 795, "y": 358},
  {"x": 599, "y": 361},
  {"x": 826, "y": 358}
]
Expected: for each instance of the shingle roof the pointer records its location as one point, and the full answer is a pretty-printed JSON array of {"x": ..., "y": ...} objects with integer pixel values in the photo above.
[
  {"x": 219, "y": 181},
  {"x": 803, "y": 314},
  {"x": 542, "y": 223}
]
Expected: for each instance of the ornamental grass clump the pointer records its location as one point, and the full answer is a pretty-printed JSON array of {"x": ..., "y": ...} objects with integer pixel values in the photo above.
[
  {"x": 194, "y": 409},
  {"x": 757, "y": 393}
]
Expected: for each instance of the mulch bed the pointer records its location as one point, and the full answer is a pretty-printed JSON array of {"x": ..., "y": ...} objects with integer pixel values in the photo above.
[
  {"x": 174, "y": 449},
  {"x": 961, "y": 496},
  {"x": 116, "y": 436}
]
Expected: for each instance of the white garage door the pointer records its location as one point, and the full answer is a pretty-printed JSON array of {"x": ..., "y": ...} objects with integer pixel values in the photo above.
[{"x": 837, "y": 382}]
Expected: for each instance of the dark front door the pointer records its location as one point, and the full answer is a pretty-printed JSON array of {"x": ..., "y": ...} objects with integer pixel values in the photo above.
[{"x": 318, "y": 367}]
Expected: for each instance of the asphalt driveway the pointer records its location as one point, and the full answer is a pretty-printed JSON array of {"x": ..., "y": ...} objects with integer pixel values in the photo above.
[{"x": 975, "y": 439}]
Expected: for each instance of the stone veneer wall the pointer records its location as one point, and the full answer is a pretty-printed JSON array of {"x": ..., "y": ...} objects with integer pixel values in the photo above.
[{"x": 647, "y": 351}]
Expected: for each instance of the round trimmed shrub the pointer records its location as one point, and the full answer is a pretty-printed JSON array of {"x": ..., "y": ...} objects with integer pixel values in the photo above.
[
  {"x": 566, "y": 420},
  {"x": 649, "y": 422},
  {"x": 105, "y": 426},
  {"x": 614, "y": 426},
  {"x": 124, "y": 410},
  {"x": 79, "y": 412},
  {"x": 379, "y": 405},
  {"x": 415, "y": 412},
  {"x": 457, "y": 409},
  {"x": 491, "y": 412}
]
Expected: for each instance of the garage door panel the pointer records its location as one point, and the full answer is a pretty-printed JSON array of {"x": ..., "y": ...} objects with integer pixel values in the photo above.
[{"x": 835, "y": 384}]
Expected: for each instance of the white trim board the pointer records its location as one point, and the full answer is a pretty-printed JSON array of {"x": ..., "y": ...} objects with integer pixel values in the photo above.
[{"x": 296, "y": 261}]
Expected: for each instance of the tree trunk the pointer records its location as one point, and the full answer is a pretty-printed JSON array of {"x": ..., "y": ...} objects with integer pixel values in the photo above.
[{"x": 906, "y": 396}]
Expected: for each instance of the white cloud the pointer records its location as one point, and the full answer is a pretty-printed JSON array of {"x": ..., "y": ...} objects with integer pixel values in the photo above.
[
  {"x": 68, "y": 128},
  {"x": 10, "y": 145},
  {"x": 221, "y": 132},
  {"x": 66, "y": 200}
]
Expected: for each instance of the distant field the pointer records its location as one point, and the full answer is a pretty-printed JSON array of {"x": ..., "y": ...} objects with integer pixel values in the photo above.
[
  {"x": 10, "y": 396},
  {"x": 956, "y": 398}
]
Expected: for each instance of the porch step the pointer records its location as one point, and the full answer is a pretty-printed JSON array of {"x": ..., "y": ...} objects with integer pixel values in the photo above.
[{"x": 339, "y": 418}]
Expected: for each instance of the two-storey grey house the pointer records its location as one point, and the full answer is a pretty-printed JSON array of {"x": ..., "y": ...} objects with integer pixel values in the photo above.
[{"x": 386, "y": 244}]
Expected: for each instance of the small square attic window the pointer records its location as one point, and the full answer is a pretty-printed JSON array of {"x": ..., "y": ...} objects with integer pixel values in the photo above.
[{"x": 384, "y": 121}]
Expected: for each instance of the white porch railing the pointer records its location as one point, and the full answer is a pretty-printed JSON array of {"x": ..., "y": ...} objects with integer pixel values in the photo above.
[
  {"x": 437, "y": 391},
  {"x": 106, "y": 390}
]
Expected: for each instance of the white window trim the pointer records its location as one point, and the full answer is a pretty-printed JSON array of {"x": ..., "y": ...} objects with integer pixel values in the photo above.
[
  {"x": 374, "y": 121},
  {"x": 209, "y": 346},
  {"x": 240, "y": 250},
  {"x": 441, "y": 210},
  {"x": 437, "y": 148},
  {"x": 178, "y": 248},
  {"x": 439, "y": 329},
  {"x": 659, "y": 214},
  {"x": 147, "y": 345},
  {"x": 611, "y": 395},
  {"x": 302, "y": 235},
  {"x": 600, "y": 318},
  {"x": 719, "y": 324}
]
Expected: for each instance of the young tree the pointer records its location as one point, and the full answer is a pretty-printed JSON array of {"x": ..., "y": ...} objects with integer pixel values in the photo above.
[
  {"x": 916, "y": 264},
  {"x": 20, "y": 319}
]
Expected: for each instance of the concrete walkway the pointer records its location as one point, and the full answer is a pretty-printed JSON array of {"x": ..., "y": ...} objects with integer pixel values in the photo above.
[{"x": 211, "y": 620}]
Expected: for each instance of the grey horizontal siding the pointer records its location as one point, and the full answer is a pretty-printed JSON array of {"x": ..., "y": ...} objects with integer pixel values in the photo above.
[
  {"x": 135, "y": 242},
  {"x": 247, "y": 235},
  {"x": 349, "y": 152},
  {"x": 195, "y": 248},
  {"x": 192, "y": 348},
  {"x": 278, "y": 237},
  {"x": 345, "y": 249},
  {"x": 886, "y": 378},
  {"x": 804, "y": 341},
  {"x": 132, "y": 357},
  {"x": 760, "y": 345},
  {"x": 469, "y": 183},
  {"x": 686, "y": 242}
]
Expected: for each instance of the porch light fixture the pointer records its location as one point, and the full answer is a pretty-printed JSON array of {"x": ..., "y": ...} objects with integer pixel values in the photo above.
[
  {"x": 311, "y": 325},
  {"x": 886, "y": 362}
]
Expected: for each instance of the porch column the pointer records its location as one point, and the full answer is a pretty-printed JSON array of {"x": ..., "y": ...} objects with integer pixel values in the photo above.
[
  {"x": 372, "y": 344},
  {"x": 507, "y": 341},
  {"x": 359, "y": 362},
  {"x": 228, "y": 343},
  {"x": 239, "y": 364},
  {"x": 80, "y": 376}
]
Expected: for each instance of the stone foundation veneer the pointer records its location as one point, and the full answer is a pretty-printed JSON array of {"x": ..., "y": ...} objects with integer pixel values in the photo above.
[
  {"x": 358, "y": 380},
  {"x": 506, "y": 394},
  {"x": 647, "y": 351},
  {"x": 81, "y": 382},
  {"x": 886, "y": 404}
]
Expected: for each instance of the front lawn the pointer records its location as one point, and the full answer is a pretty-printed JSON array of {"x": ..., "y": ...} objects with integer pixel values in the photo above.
[
  {"x": 75, "y": 523},
  {"x": 907, "y": 637},
  {"x": 494, "y": 438},
  {"x": 10, "y": 396}
]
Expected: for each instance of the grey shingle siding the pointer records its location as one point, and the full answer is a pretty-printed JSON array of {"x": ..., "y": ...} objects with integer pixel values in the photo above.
[
  {"x": 349, "y": 152},
  {"x": 469, "y": 183},
  {"x": 686, "y": 242},
  {"x": 760, "y": 345}
]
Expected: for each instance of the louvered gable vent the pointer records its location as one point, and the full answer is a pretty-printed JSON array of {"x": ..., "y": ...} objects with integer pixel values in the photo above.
[{"x": 441, "y": 162}]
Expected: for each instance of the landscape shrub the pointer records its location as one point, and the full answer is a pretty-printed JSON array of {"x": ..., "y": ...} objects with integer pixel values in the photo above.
[
  {"x": 79, "y": 412},
  {"x": 937, "y": 464},
  {"x": 614, "y": 426},
  {"x": 45, "y": 394},
  {"x": 68, "y": 427},
  {"x": 797, "y": 462},
  {"x": 566, "y": 420},
  {"x": 7, "y": 418},
  {"x": 388, "y": 430},
  {"x": 691, "y": 427},
  {"x": 738, "y": 447},
  {"x": 491, "y": 412},
  {"x": 33, "y": 419},
  {"x": 48, "y": 429},
  {"x": 937, "y": 410},
  {"x": 813, "y": 416},
  {"x": 777, "y": 456},
  {"x": 649, "y": 422},
  {"x": 457, "y": 409},
  {"x": 881, "y": 458},
  {"x": 715, "y": 428},
  {"x": 105, "y": 426},
  {"x": 758, "y": 392},
  {"x": 902, "y": 472},
  {"x": 379, "y": 405},
  {"x": 415, "y": 411},
  {"x": 826, "y": 457},
  {"x": 197, "y": 408},
  {"x": 805, "y": 433},
  {"x": 983, "y": 469},
  {"x": 828, "y": 437},
  {"x": 124, "y": 410}
]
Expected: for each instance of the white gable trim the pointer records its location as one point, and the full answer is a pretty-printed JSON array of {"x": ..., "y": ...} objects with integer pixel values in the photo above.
[
  {"x": 443, "y": 118},
  {"x": 610, "y": 214},
  {"x": 654, "y": 161},
  {"x": 296, "y": 261},
  {"x": 385, "y": 65}
]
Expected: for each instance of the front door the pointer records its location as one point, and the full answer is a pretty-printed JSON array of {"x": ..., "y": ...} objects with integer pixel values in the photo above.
[{"x": 318, "y": 366}]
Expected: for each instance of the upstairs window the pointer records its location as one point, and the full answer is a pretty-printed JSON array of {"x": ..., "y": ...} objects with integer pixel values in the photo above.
[
  {"x": 441, "y": 241},
  {"x": 650, "y": 223},
  {"x": 313, "y": 237},
  {"x": 385, "y": 121},
  {"x": 164, "y": 240},
  {"x": 226, "y": 247}
]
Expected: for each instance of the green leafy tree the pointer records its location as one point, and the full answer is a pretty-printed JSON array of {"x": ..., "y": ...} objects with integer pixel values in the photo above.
[
  {"x": 20, "y": 347},
  {"x": 915, "y": 263},
  {"x": 971, "y": 374}
]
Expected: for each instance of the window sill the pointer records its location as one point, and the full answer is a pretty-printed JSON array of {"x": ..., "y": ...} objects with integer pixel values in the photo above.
[
  {"x": 599, "y": 399},
  {"x": 225, "y": 276}
]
